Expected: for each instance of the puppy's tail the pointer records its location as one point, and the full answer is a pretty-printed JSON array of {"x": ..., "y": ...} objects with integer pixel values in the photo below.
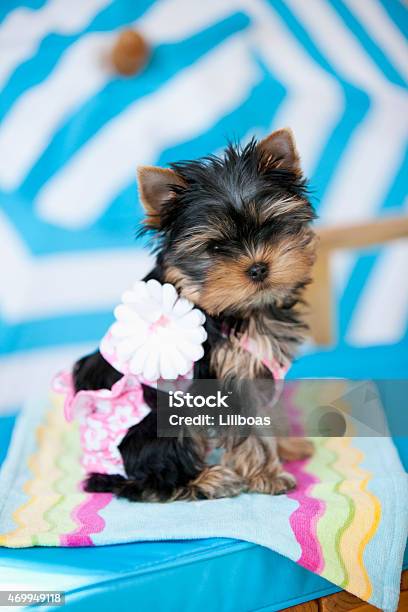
[
  {"x": 213, "y": 482},
  {"x": 113, "y": 483},
  {"x": 133, "y": 489}
]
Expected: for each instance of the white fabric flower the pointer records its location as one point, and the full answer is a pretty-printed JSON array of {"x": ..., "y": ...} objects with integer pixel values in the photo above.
[{"x": 157, "y": 334}]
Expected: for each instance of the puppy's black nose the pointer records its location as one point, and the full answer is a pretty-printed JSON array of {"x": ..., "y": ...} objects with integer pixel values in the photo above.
[{"x": 258, "y": 272}]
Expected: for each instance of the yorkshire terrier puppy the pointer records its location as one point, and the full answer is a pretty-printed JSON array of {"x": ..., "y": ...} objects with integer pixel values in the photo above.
[{"x": 233, "y": 235}]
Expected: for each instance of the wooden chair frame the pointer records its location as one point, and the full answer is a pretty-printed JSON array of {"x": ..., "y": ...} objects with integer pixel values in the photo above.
[
  {"x": 344, "y": 602},
  {"x": 322, "y": 311}
]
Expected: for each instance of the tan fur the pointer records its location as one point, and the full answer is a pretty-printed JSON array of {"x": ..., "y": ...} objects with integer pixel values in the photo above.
[
  {"x": 195, "y": 242},
  {"x": 218, "y": 229},
  {"x": 214, "y": 482},
  {"x": 228, "y": 286},
  {"x": 230, "y": 359},
  {"x": 256, "y": 461},
  {"x": 184, "y": 287},
  {"x": 277, "y": 208},
  {"x": 155, "y": 191},
  {"x": 281, "y": 148}
]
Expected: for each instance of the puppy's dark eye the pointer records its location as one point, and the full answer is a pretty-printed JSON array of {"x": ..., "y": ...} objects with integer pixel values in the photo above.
[{"x": 214, "y": 247}]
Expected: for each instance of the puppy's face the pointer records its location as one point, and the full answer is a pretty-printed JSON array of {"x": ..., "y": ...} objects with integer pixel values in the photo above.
[{"x": 234, "y": 230}]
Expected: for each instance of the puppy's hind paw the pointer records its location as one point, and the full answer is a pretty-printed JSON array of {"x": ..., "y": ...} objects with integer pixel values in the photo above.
[
  {"x": 214, "y": 482},
  {"x": 273, "y": 485}
]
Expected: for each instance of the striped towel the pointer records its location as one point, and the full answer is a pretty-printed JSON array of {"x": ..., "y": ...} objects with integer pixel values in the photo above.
[{"x": 347, "y": 520}]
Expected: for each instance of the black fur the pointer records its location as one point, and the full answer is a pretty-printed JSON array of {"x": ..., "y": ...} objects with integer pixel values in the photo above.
[{"x": 155, "y": 467}]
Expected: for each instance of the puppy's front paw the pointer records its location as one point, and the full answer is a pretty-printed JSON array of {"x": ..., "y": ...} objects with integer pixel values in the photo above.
[{"x": 272, "y": 485}]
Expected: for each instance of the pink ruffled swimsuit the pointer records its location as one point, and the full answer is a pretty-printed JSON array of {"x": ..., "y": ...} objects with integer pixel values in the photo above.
[{"x": 105, "y": 415}]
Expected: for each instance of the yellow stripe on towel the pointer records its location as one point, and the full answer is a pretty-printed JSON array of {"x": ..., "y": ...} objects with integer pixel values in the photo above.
[
  {"x": 30, "y": 517},
  {"x": 364, "y": 520}
]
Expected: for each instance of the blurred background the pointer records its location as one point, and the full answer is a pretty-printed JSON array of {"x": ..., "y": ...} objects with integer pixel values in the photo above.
[{"x": 73, "y": 130}]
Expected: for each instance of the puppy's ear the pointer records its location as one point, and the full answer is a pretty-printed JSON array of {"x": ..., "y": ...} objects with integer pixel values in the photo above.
[
  {"x": 280, "y": 150},
  {"x": 156, "y": 188}
]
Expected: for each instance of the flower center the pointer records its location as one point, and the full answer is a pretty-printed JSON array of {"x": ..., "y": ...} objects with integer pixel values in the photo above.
[{"x": 163, "y": 321}]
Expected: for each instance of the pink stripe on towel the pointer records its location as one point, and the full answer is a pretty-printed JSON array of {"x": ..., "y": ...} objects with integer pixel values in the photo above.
[
  {"x": 304, "y": 519},
  {"x": 88, "y": 520}
]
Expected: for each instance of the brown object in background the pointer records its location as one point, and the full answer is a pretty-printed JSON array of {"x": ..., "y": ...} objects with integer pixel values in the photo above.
[{"x": 130, "y": 52}]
